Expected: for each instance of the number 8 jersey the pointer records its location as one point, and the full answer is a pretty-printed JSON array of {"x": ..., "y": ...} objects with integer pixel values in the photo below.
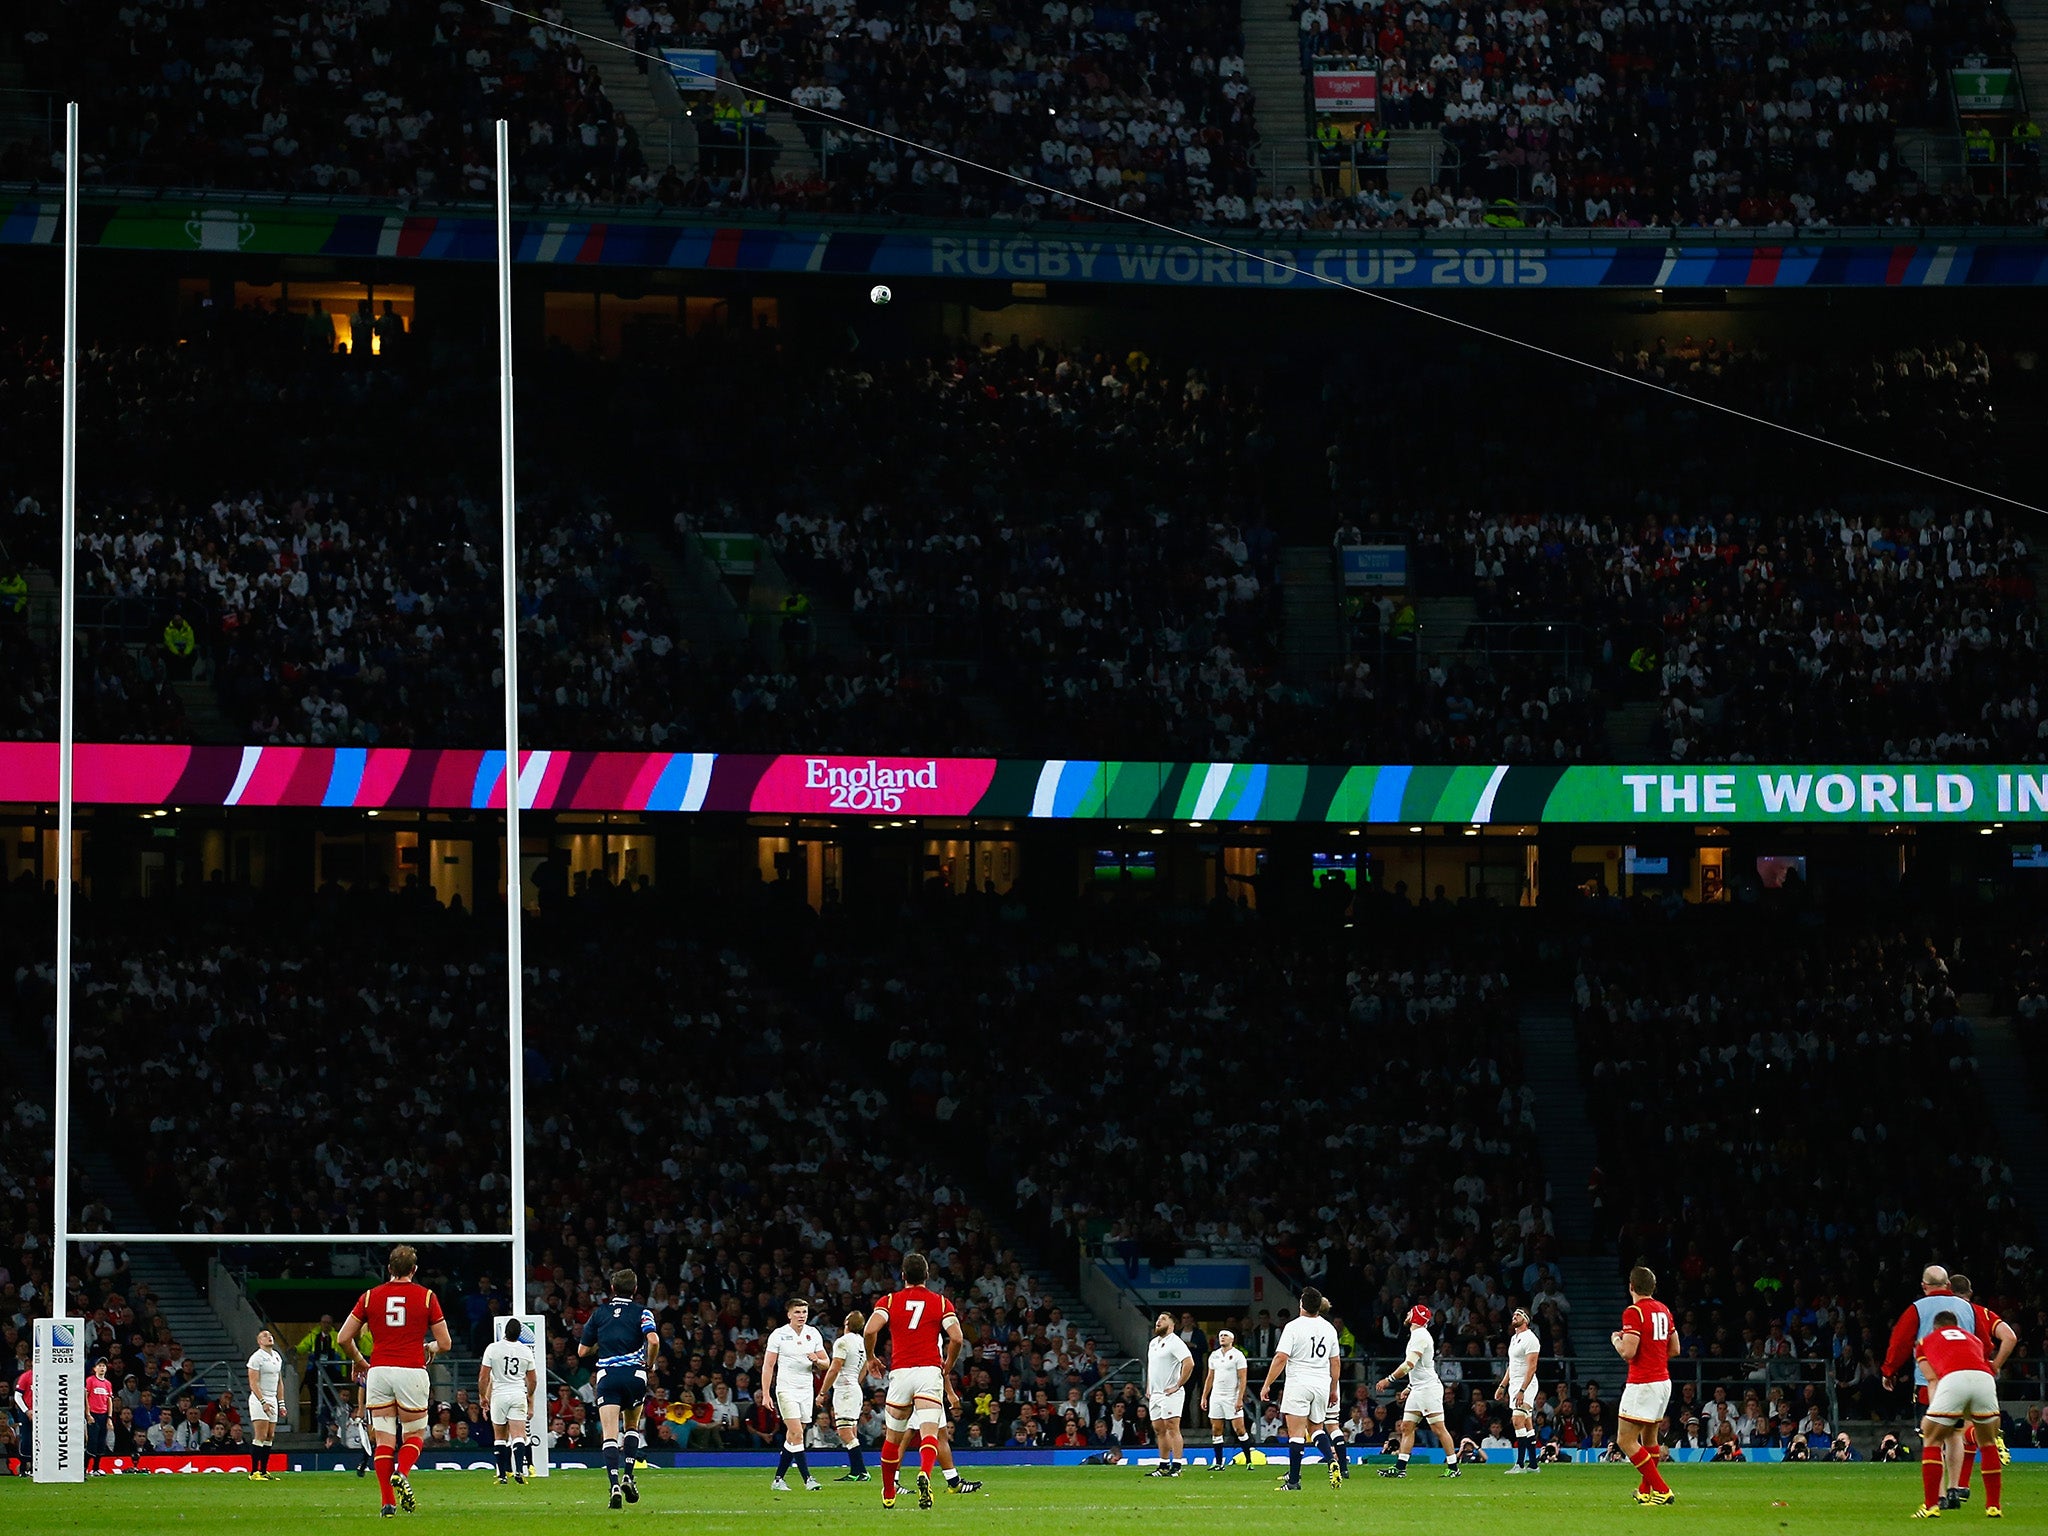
[
  {"x": 917, "y": 1325},
  {"x": 1650, "y": 1321}
]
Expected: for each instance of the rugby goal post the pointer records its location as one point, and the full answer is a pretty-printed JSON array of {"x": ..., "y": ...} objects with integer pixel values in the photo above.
[{"x": 60, "y": 1343}]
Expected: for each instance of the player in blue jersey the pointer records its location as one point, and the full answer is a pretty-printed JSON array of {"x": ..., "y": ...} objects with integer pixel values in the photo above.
[{"x": 620, "y": 1336}]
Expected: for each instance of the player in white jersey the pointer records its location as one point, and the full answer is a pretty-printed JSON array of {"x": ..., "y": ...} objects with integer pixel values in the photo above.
[
  {"x": 505, "y": 1381},
  {"x": 788, "y": 1380},
  {"x": 266, "y": 1379},
  {"x": 1424, "y": 1395},
  {"x": 1223, "y": 1394},
  {"x": 1168, "y": 1365},
  {"x": 1518, "y": 1389},
  {"x": 1308, "y": 1354},
  {"x": 842, "y": 1390}
]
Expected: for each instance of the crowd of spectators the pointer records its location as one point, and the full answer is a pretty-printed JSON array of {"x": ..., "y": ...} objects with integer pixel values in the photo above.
[
  {"x": 1145, "y": 110},
  {"x": 1767, "y": 1094},
  {"x": 386, "y": 98},
  {"x": 1604, "y": 115},
  {"x": 1085, "y": 527},
  {"x": 1216, "y": 1050}
]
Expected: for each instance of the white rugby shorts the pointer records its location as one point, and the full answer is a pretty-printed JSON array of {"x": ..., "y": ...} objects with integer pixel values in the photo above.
[
  {"x": 847, "y": 1400},
  {"x": 916, "y": 1398},
  {"x": 1963, "y": 1395},
  {"x": 261, "y": 1412},
  {"x": 1306, "y": 1400},
  {"x": 1644, "y": 1402},
  {"x": 508, "y": 1404},
  {"x": 405, "y": 1385},
  {"x": 1166, "y": 1406},
  {"x": 1225, "y": 1407},
  {"x": 1424, "y": 1403},
  {"x": 795, "y": 1405}
]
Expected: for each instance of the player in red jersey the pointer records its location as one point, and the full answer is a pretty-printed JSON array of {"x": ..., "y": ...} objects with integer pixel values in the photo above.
[
  {"x": 924, "y": 1341},
  {"x": 400, "y": 1315},
  {"x": 1914, "y": 1324},
  {"x": 1999, "y": 1341},
  {"x": 1960, "y": 1390},
  {"x": 1647, "y": 1339}
]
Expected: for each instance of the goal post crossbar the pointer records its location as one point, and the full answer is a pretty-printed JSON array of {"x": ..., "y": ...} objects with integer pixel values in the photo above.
[{"x": 338, "y": 1239}]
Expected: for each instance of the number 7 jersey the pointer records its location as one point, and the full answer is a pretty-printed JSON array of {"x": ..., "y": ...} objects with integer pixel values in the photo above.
[
  {"x": 1650, "y": 1321},
  {"x": 916, "y": 1317}
]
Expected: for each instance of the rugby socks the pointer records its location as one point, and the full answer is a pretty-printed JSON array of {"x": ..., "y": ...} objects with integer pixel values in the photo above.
[
  {"x": 927, "y": 1453},
  {"x": 1294, "y": 1454},
  {"x": 782, "y": 1464},
  {"x": 1930, "y": 1476},
  {"x": 632, "y": 1442},
  {"x": 803, "y": 1466},
  {"x": 1525, "y": 1448},
  {"x": 504, "y": 1456},
  {"x": 856, "y": 1463},
  {"x": 1644, "y": 1460},
  {"x": 522, "y": 1457},
  {"x": 1322, "y": 1443},
  {"x": 1337, "y": 1445},
  {"x": 1994, "y": 1474},
  {"x": 892, "y": 1457},
  {"x": 611, "y": 1460},
  {"x": 1963, "y": 1461},
  {"x": 259, "y": 1458},
  {"x": 382, "y": 1458},
  {"x": 1401, "y": 1461},
  {"x": 408, "y": 1456},
  {"x": 951, "y": 1474}
]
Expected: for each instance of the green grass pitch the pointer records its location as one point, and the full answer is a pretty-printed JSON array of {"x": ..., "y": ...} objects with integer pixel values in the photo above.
[{"x": 1560, "y": 1501}]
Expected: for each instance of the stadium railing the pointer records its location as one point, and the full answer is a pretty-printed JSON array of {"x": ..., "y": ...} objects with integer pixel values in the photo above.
[{"x": 1010, "y": 229}]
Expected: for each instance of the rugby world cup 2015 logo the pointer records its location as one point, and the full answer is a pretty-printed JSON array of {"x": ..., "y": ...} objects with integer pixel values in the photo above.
[{"x": 875, "y": 786}]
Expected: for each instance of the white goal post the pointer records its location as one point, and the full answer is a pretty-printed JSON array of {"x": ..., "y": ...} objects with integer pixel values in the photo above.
[{"x": 60, "y": 1342}]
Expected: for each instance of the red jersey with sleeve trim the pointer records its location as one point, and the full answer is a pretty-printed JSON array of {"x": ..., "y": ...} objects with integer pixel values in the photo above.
[
  {"x": 1952, "y": 1349},
  {"x": 398, "y": 1314},
  {"x": 1987, "y": 1322},
  {"x": 917, "y": 1324},
  {"x": 25, "y": 1384},
  {"x": 1650, "y": 1321}
]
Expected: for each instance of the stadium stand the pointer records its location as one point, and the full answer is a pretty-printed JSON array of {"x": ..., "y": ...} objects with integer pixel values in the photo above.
[
  {"x": 1188, "y": 1058},
  {"x": 1764, "y": 1091},
  {"x": 387, "y": 99},
  {"x": 1602, "y": 115}
]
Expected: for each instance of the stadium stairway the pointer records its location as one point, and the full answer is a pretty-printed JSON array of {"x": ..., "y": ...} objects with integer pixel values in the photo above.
[
  {"x": 630, "y": 87},
  {"x": 2009, "y": 1095},
  {"x": 1631, "y": 728},
  {"x": 1415, "y": 158},
  {"x": 203, "y": 711},
  {"x": 1272, "y": 66},
  {"x": 1550, "y": 1065},
  {"x": 1062, "y": 1287},
  {"x": 1312, "y": 634},
  {"x": 193, "y": 1321},
  {"x": 2030, "y": 47},
  {"x": 1444, "y": 623}
]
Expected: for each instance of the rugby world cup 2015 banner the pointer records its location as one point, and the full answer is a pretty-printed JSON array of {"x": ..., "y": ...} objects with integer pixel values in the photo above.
[
  {"x": 221, "y": 223},
  {"x": 1051, "y": 789}
]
